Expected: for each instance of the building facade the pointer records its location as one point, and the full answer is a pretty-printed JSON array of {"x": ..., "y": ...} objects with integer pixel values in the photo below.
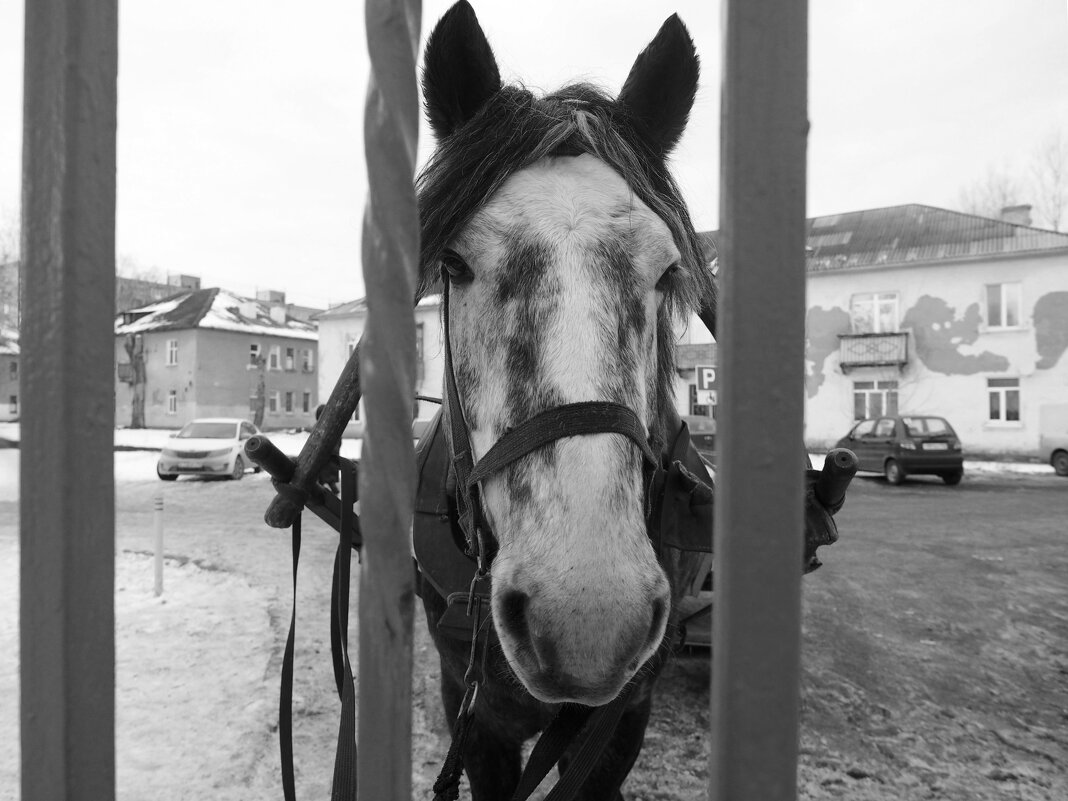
[
  {"x": 9, "y": 373},
  {"x": 208, "y": 353},
  {"x": 340, "y": 329},
  {"x": 920, "y": 310}
]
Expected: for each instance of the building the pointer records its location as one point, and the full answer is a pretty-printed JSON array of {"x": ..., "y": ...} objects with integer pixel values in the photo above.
[
  {"x": 9, "y": 373},
  {"x": 340, "y": 328},
  {"x": 922, "y": 310},
  {"x": 207, "y": 353}
]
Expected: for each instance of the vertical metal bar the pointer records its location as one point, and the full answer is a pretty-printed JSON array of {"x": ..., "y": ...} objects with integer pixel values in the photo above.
[
  {"x": 387, "y": 370},
  {"x": 67, "y": 504},
  {"x": 758, "y": 536}
]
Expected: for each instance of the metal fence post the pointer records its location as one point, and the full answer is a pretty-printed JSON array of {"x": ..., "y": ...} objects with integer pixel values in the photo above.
[
  {"x": 758, "y": 535},
  {"x": 67, "y": 513},
  {"x": 387, "y": 374}
]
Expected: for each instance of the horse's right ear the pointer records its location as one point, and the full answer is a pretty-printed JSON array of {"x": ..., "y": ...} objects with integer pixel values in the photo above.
[{"x": 459, "y": 71}]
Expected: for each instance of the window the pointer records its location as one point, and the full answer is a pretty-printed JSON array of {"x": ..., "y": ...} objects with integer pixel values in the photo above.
[
  {"x": 289, "y": 403},
  {"x": 884, "y": 428},
  {"x": 291, "y": 358},
  {"x": 13, "y": 403},
  {"x": 272, "y": 403},
  {"x": 874, "y": 398},
  {"x": 172, "y": 352},
  {"x": 1002, "y": 305},
  {"x": 307, "y": 360},
  {"x": 172, "y": 402},
  {"x": 305, "y": 404},
  {"x": 273, "y": 358},
  {"x": 13, "y": 369},
  {"x": 864, "y": 429},
  {"x": 874, "y": 313},
  {"x": 1004, "y": 397},
  {"x": 254, "y": 354},
  {"x": 697, "y": 409}
]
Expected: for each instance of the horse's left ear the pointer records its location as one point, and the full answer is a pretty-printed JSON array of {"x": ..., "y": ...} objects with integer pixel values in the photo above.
[
  {"x": 459, "y": 70},
  {"x": 662, "y": 84}
]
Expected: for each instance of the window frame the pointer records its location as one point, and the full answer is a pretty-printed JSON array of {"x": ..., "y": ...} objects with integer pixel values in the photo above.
[
  {"x": 274, "y": 358},
  {"x": 874, "y": 300},
  {"x": 172, "y": 353},
  {"x": 1005, "y": 303},
  {"x": 1002, "y": 389},
  {"x": 254, "y": 353},
  {"x": 172, "y": 402}
]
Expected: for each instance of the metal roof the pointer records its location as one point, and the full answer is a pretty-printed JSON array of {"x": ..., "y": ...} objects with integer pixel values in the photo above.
[{"x": 914, "y": 233}]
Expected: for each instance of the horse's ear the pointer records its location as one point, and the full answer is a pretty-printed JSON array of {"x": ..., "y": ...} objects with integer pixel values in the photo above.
[
  {"x": 662, "y": 84},
  {"x": 459, "y": 71}
]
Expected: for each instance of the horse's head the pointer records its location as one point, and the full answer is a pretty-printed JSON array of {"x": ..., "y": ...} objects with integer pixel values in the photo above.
[{"x": 570, "y": 256}]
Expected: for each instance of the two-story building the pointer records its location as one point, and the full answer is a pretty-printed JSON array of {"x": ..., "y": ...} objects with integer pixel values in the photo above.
[
  {"x": 208, "y": 353},
  {"x": 922, "y": 310},
  {"x": 9, "y": 373},
  {"x": 340, "y": 328}
]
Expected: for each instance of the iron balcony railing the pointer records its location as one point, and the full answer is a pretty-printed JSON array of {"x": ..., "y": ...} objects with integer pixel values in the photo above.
[{"x": 873, "y": 350}]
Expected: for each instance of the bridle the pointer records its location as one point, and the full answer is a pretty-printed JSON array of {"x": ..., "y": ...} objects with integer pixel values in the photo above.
[{"x": 567, "y": 420}]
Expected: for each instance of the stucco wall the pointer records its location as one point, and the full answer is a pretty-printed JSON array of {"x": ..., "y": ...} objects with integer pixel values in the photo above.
[
  {"x": 337, "y": 333},
  {"x": 9, "y": 386},
  {"x": 952, "y": 350},
  {"x": 212, "y": 379}
]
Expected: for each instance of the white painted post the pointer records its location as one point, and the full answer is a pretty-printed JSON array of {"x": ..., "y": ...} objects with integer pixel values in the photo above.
[{"x": 157, "y": 519}]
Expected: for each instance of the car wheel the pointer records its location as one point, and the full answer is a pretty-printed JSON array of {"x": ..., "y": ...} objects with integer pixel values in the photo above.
[
  {"x": 1060, "y": 463},
  {"x": 893, "y": 471},
  {"x": 953, "y": 479},
  {"x": 164, "y": 476},
  {"x": 238, "y": 472}
]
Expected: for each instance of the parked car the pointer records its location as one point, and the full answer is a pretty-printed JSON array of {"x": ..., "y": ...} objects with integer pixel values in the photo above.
[
  {"x": 209, "y": 446},
  {"x": 1056, "y": 445},
  {"x": 907, "y": 444}
]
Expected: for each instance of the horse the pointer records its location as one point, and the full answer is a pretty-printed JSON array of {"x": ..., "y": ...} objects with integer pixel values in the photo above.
[{"x": 566, "y": 257}]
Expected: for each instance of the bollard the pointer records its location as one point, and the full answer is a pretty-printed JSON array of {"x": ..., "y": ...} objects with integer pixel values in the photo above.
[{"x": 157, "y": 519}]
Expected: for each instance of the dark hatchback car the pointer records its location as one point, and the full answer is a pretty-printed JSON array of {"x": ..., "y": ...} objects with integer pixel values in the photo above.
[{"x": 907, "y": 444}]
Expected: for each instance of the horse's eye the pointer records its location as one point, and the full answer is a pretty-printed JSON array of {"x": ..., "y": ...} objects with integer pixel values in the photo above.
[
  {"x": 664, "y": 282},
  {"x": 456, "y": 267}
]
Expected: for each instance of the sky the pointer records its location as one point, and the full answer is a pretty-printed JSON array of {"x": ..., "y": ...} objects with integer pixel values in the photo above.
[{"x": 240, "y": 154}]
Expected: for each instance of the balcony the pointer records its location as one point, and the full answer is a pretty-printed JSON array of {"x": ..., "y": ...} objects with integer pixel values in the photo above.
[{"x": 873, "y": 350}]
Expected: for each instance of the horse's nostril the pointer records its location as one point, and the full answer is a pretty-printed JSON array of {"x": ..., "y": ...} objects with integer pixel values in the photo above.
[{"x": 514, "y": 613}]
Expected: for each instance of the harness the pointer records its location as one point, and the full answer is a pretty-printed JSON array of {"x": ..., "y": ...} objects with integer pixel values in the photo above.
[{"x": 454, "y": 545}]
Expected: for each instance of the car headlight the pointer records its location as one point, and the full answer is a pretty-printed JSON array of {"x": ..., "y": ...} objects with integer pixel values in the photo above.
[
  {"x": 908, "y": 445},
  {"x": 220, "y": 452},
  {"x": 168, "y": 452}
]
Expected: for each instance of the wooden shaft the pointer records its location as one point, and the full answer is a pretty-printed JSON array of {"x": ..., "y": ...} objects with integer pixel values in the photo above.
[
  {"x": 319, "y": 446},
  {"x": 838, "y": 470}
]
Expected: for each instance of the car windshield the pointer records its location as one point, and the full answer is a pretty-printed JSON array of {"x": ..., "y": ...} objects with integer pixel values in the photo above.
[
  {"x": 208, "y": 431},
  {"x": 917, "y": 426}
]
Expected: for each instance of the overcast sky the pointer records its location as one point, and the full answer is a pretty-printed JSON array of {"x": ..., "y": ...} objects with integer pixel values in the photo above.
[{"x": 240, "y": 150}]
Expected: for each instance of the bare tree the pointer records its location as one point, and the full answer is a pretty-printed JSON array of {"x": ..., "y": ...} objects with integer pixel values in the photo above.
[
  {"x": 990, "y": 194},
  {"x": 1049, "y": 171},
  {"x": 128, "y": 267}
]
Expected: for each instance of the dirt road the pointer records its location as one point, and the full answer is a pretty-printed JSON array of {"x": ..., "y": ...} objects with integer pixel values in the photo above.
[{"x": 935, "y": 637}]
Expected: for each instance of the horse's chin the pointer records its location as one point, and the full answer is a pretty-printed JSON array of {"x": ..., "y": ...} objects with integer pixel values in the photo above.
[{"x": 551, "y": 687}]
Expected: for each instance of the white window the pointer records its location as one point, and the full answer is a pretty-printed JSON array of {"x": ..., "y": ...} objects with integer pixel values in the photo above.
[
  {"x": 1003, "y": 305},
  {"x": 274, "y": 358},
  {"x": 172, "y": 402},
  {"x": 289, "y": 403},
  {"x": 172, "y": 352},
  {"x": 272, "y": 403},
  {"x": 291, "y": 358},
  {"x": 308, "y": 360},
  {"x": 305, "y": 405},
  {"x": 13, "y": 403},
  {"x": 254, "y": 353},
  {"x": 874, "y": 313},
  {"x": 874, "y": 399},
  {"x": 1004, "y": 398}
]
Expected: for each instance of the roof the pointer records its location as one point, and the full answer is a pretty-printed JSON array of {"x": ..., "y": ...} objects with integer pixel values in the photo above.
[
  {"x": 359, "y": 307},
  {"x": 213, "y": 309},
  {"x": 915, "y": 233}
]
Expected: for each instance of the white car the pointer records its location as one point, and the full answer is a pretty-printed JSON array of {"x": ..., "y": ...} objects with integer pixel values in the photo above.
[{"x": 210, "y": 446}]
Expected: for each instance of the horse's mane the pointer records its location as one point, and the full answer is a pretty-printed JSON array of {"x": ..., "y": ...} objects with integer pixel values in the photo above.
[{"x": 515, "y": 129}]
